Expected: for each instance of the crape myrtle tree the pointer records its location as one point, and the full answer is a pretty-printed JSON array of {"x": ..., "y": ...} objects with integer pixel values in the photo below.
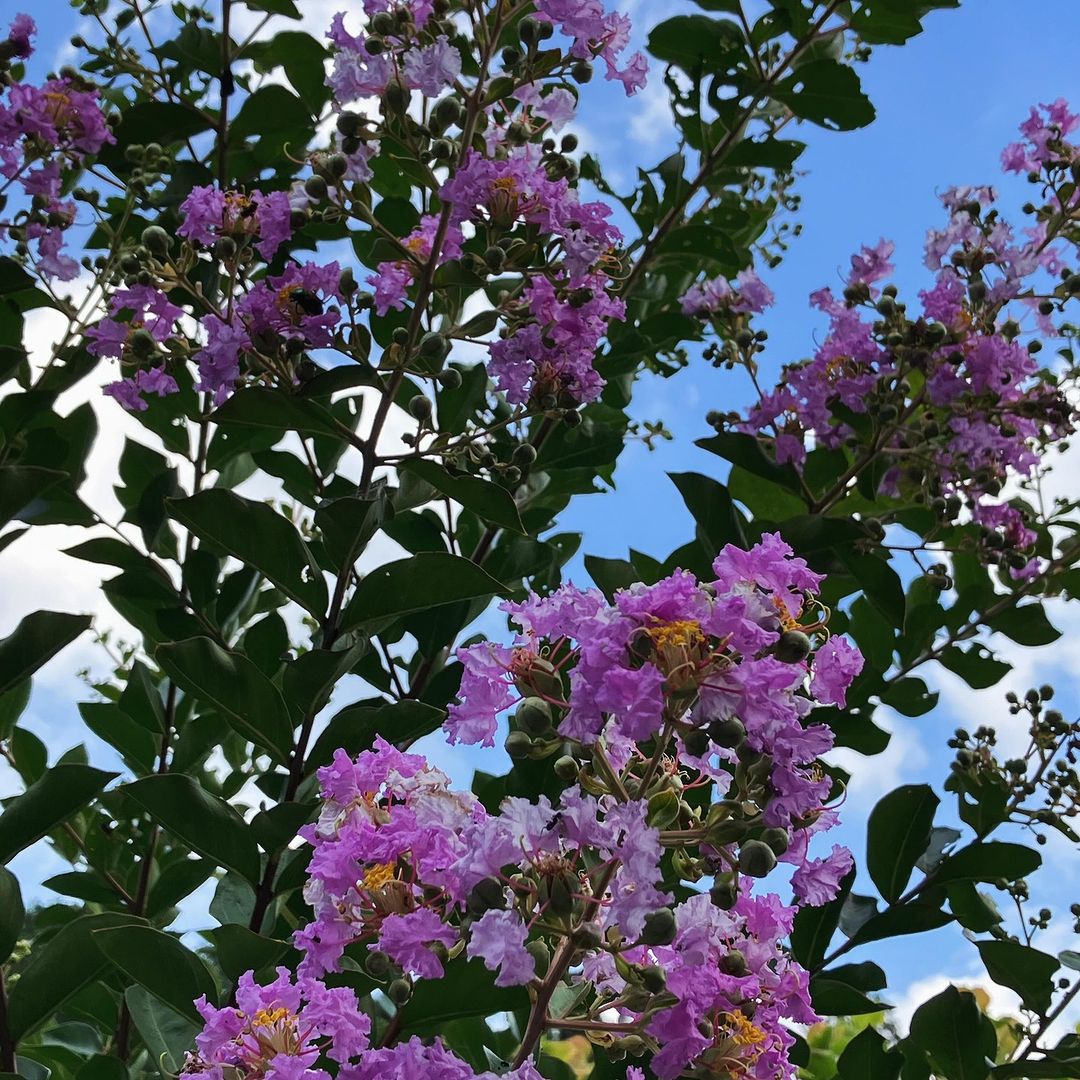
[{"x": 369, "y": 272}]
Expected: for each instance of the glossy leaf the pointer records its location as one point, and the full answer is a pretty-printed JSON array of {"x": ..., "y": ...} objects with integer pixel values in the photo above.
[
  {"x": 898, "y": 833},
  {"x": 35, "y": 641},
  {"x": 205, "y": 823},
  {"x": 160, "y": 963},
  {"x": 258, "y": 536},
  {"x": 61, "y": 791}
]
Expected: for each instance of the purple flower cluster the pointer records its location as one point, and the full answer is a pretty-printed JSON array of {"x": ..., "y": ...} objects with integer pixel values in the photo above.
[
  {"x": 962, "y": 404},
  {"x": 210, "y": 214},
  {"x": 44, "y": 130},
  {"x": 548, "y": 345},
  {"x": 405, "y": 55},
  {"x": 674, "y": 686},
  {"x": 598, "y": 34}
]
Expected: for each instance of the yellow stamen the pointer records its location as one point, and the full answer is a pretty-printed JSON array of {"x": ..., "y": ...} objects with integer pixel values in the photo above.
[
  {"x": 681, "y": 634},
  {"x": 787, "y": 620},
  {"x": 269, "y": 1017},
  {"x": 742, "y": 1032},
  {"x": 378, "y": 876}
]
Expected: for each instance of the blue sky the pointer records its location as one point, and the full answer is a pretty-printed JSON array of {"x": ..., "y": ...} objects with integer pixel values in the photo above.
[{"x": 947, "y": 102}]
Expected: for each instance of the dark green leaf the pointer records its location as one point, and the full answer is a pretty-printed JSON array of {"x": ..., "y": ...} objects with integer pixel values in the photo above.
[
  {"x": 718, "y": 521},
  {"x": 695, "y": 41},
  {"x": 62, "y": 791},
  {"x": 58, "y": 970},
  {"x": 258, "y": 536},
  {"x": 1030, "y": 972},
  {"x": 490, "y": 502},
  {"x": 467, "y": 989},
  {"x": 205, "y": 823},
  {"x": 867, "y": 1058},
  {"x": 1027, "y": 625},
  {"x": 898, "y": 832},
  {"x": 356, "y": 726},
  {"x": 235, "y": 687},
  {"x": 168, "y": 1036},
  {"x": 955, "y": 1035},
  {"x": 35, "y": 641},
  {"x": 159, "y": 962},
  {"x": 988, "y": 862},
  {"x": 12, "y": 912},
  {"x": 827, "y": 93},
  {"x": 425, "y": 581},
  {"x": 20, "y": 485}
]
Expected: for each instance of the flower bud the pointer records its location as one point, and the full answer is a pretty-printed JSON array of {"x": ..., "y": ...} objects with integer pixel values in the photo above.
[
  {"x": 524, "y": 454},
  {"x": 449, "y": 379},
  {"x": 534, "y": 716},
  {"x": 792, "y": 648},
  {"x": 316, "y": 188},
  {"x": 486, "y": 895},
  {"x": 399, "y": 991},
  {"x": 377, "y": 964},
  {"x": 420, "y": 407},
  {"x": 724, "y": 894},
  {"x": 728, "y": 732},
  {"x": 518, "y": 745},
  {"x": 541, "y": 955},
  {"x": 734, "y": 963},
  {"x": 587, "y": 937},
  {"x": 660, "y": 927},
  {"x": 777, "y": 839},
  {"x": 696, "y": 743},
  {"x": 663, "y": 809},
  {"x": 156, "y": 240},
  {"x": 433, "y": 346},
  {"x": 756, "y": 859},
  {"x": 142, "y": 343},
  {"x": 566, "y": 768},
  {"x": 654, "y": 978}
]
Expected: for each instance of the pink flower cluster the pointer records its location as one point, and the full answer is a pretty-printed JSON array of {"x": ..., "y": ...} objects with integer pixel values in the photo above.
[
  {"x": 671, "y": 688},
  {"x": 44, "y": 131},
  {"x": 547, "y": 348},
  {"x": 960, "y": 399},
  {"x": 211, "y": 214}
]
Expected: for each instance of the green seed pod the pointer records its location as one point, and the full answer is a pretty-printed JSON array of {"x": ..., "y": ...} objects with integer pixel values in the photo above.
[
  {"x": 377, "y": 964},
  {"x": 734, "y": 963},
  {"x": 663, "y": 809},
  {"x": 660, "y": 927},
  {"x": 756, "y": 859},
  {"x": 696, "y": 742},
  {"x": 524, "y": 454},
  {"x": 541, "y": 955},
  {"x": 486, "y": 895},
  {"x": 449, "y": 379},
  {"x": 316, "y": 188},
  {"x": 142, "y": 343},
  {"x": 433, "y": 346},
  {"x": 724, "y": 894},
  {"x": 560, "y": 896},
  {"x": 399, "y": 991},
  {"x": 587, "y": 937},
  {"x": 566, "y": 768}
]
